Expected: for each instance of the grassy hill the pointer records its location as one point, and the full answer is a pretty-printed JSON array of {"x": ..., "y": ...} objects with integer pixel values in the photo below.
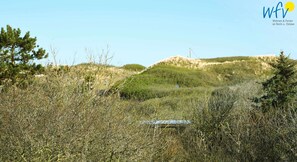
[
  {"x": 178, "y": 75},
  {"x": 169, "y": 89}
]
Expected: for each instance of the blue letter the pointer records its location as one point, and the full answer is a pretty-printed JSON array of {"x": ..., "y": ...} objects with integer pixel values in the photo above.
[
  {"x": 276, "y": 8},
  {"x": 265, "y": 12},
  {"x": 285, "y": 13}
]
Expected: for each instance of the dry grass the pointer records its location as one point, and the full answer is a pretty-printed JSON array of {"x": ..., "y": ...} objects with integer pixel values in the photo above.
[{"x": 191, "y": 63}]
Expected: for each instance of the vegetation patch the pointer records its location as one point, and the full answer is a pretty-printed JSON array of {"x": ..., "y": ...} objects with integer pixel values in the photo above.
[
  {"x": 163, "y": 80},
  {"x": 133, "y": 67},
  {"x": 224, "y": 59}
]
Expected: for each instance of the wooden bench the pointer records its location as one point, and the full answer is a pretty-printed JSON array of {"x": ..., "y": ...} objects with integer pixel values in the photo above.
[{"x": 167, "y": 123}]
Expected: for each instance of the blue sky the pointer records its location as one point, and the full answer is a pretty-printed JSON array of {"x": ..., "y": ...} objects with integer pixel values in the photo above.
[{"x": 145, "y": 31}]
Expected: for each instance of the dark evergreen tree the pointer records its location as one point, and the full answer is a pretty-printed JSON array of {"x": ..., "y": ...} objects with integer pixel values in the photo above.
[
  {"x": 279, "y": 90},
  {"x": 17, "y": 54}
]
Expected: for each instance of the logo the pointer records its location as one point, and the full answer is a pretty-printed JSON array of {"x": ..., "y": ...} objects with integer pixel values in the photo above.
[
  {"x": 278, "y": 9},
  {"x": 279, "y": 12}
]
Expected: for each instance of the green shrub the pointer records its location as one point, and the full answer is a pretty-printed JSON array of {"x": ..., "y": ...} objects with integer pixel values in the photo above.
[
  {"x": 177, "y": 105},
  {"x": 133, "y": 67}
]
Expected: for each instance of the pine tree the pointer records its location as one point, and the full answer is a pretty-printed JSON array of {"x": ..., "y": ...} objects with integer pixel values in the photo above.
[
  {"x": 17, "y": 54},
  {"x": 280, "y": 90}
]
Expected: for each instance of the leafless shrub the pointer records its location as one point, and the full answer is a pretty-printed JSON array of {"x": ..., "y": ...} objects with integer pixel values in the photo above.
[{"x": 51, "y": 121}]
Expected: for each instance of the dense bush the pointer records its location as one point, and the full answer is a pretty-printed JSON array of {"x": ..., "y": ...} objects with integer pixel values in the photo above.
[
  {"x": 133, "y": 67},
  {"x": 52, "y": 121},
  {"x": 226, "y": 129}
]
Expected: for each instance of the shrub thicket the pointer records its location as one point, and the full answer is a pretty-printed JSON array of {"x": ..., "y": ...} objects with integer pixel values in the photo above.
[
  {"x": 227, "y": 128},
  {"x": 133, "y": 67},
  {"x": 52, "y": 121}
]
